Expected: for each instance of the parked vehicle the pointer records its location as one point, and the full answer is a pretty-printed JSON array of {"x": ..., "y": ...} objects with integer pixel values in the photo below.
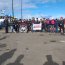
[{"x": 1, "y": 23}]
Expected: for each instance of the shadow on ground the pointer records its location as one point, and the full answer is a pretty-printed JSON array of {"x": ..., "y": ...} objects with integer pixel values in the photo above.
[
  {"x": 4, "y": 57},
  {"x": 50, "y": 61},
  {"x": 17, "y": 62},
  {"x": 2, "y": 45},
  {"x": 3, "y": 38},
  {"x": 63, "y": 62}
]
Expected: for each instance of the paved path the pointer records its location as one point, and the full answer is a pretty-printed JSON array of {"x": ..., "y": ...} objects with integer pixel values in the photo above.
[{"x": 32, "y": 49}]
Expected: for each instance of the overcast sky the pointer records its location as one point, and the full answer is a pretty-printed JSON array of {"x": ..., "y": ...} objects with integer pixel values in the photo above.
[{"x": 34, "y": 8}]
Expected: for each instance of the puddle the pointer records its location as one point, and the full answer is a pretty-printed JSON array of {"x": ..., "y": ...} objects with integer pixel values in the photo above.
[
  {"x": 41, "y": 35},
  {"x": 53, "y": 41},
  {"x": 27, "y": 48},
  {"x": 45, "y": 42}
]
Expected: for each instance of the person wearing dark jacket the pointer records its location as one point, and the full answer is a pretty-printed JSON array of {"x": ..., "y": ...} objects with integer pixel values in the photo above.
[
  {"x": 16, "y": 26},
  {"x": 56, "y": 25},
  {"x": 6, "y": 22},
  {"x": 61, "y": 25}
]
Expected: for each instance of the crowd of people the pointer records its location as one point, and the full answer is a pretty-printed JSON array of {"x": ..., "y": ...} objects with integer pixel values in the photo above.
[{"x": 48, "y": 25}]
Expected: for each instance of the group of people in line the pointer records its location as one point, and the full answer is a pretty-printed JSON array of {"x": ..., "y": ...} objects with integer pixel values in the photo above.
[{"x": 53, "y": 25}]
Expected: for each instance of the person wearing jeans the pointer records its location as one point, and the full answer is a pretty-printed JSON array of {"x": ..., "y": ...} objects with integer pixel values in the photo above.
[{"x": 56, "y": 25}]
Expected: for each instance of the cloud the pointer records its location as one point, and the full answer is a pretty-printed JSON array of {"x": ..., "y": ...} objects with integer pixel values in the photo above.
[
  {"x": 33, "y": 3},
  {"x": 46, "y": 1},
  {"x": 7, "y": 6},
  {"x": 28, "y": 4},
  {"x": 29, "y": 16}
]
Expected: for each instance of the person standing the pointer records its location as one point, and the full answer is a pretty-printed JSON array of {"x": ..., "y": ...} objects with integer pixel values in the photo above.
[
  {"x": 61, "y": 25},
  {"x": 16, "y": 26},
  {"x": 29, "y": 25},
  {"x": 48, "y": 25},
  {"x": 6, "y": 22},
  {"x": 64, "y": 25},
  {"x": 56, "y": 25}
]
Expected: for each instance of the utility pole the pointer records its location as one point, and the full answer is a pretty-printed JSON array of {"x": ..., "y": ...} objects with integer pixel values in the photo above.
[
  {"x": 12, "y": 10},
  {"x": 21, "y": 9}
]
